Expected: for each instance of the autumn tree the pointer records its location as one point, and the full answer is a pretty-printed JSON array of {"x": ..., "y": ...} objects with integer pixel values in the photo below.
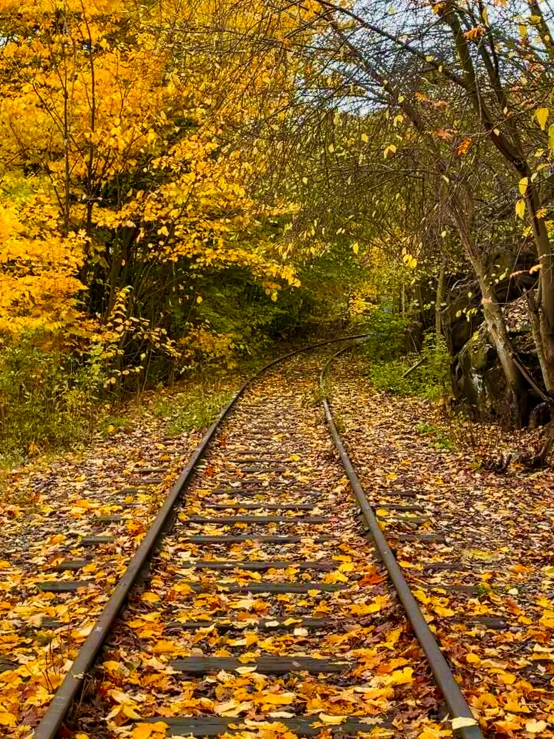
[
  {"x": 460, "y": 83},
  {"x": 112, "y": 121}
]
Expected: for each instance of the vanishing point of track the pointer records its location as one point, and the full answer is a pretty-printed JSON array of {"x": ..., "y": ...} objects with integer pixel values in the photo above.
[{"x": 254, "y": 541}]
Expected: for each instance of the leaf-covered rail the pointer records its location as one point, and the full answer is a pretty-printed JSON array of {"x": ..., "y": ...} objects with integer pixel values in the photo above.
[{"x": 462, "y": 717}]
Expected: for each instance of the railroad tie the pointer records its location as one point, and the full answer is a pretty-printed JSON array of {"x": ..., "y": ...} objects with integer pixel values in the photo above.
[
  {"x": 400, "y": 493},
  {"x": 265, "y": 665},
  {"x": 265, "y": 624},
  {"x": 267, "y": 506},
  {"x": 110, "y": 519},
  {"x": 228, "y": 520},
  {"x": 260, "y": 459},
  {"x": 70, "y": 565},
  {"x": 261, "y": 471},
  {"x": 249, "y": 454},
  {"x": 438, "y": 538},
  {"x": 432, "y": 566},
  {"x": 233, "y": 539},
  {"x": 212, "y": 726},
  {"x": 267, "y": 587},
  {"x": 63, "y": 586},
  {"x": 260, "y": 565},
  {"x": 265, "y": 491},
  {"x": 91, "y": 541},
  {"x": 404, "y": 519},
  {"x": 398, "y": 507}
]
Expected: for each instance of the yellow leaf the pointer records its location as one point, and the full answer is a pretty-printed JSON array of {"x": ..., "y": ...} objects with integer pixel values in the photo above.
[
  {"x": 150, "y": 597},
  {"x": 547, "y": 619},
  {"x": 514, "y": 707},
  {"x": 365, "y": 138},
  {"x": 130, "y": 712},
  {"x": 442, "y": 611},
  {"x": 541, "y": 114},
  {"x": 549, "y": 570},
  {"x": 163, "y": 646},
  {"x": 473, "y": 659},
  {"x": 111, "y": 665},
  {"x": 355, "y": 247},
  {"x": 520, "y": 208},
  {"x": 402, "y": 677},
  {"x": 535, "y": 727},
  {"x": 363, "y": 609},
  {"x": 278, "y": 699},
  {"x": 7, "y": 719},
  {"x": 120, "y": 697},
  {"x": 507, "y": 677},
  {"x": 144, "y": 731},
  {"x": 460, "y": 722},
  {"x": 523, "y": 185},
  {"x": 334, "y": 720},
  {"x": 245, "y": 669},
  {"x": 434, "y": 731},
  {"x": 331, "y": 148},
  {"x": 421, "y": 596},
  {"x": 347, "y": 567},
  {"x": 199, "y": 298}
]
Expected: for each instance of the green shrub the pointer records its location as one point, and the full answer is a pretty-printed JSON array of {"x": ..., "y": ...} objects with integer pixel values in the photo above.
[
  {"x": 48, "y": 398},
  {"x": 388, "y": 331},
  {"x": 388, "y": 361}
]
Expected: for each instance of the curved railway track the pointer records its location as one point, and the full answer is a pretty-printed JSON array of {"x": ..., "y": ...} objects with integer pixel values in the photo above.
[{"x": 262, "y": 595}]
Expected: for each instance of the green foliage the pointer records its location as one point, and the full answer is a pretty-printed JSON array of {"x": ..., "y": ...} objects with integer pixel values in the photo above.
[
  {"x": 193, "y": 409},
  {"x": 389, "y": 361},
  {"x": 388, "y": 335},
  {"x": 437, "y": 435},
  {"x": 48, "y": 398}
]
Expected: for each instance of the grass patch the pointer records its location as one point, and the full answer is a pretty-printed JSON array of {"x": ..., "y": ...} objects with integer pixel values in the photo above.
[
  {"x": 437, "y": 436},
  {"x": 195, "y": 408},
  {"x": 112, "y": 424}
]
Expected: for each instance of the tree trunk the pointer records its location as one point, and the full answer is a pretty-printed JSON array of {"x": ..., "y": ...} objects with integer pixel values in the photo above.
[
  {"x": 438, "y": 304},
  {"x": 495, "y": 323},
  {"x": 544, "y": 338}
]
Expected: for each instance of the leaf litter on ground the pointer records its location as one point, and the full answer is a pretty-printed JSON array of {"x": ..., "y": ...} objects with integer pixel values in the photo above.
[
  {"x": 47, "y": 508},
  {"x": 498, "y": 529}
]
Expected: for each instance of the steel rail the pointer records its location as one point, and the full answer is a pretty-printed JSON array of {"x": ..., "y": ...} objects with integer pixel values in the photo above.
[
  {"x": 73, "y": 680},
  {"x": 444, "y": 677}
]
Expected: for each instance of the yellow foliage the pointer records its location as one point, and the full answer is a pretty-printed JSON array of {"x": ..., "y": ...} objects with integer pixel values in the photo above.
[
  {"x": 134, "y": 165},
  {"x": 39, "y": 287}
]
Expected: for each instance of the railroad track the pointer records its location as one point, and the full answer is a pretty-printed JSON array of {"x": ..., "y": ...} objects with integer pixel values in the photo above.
[{"x": 258, "y": 598}]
